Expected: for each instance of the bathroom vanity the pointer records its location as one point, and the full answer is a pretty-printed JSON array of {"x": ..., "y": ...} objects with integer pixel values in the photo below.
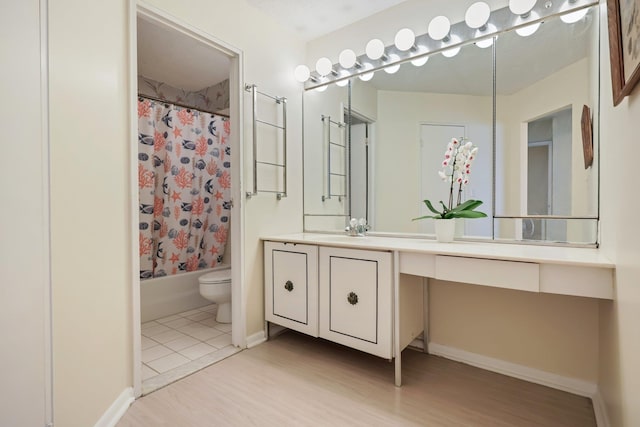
[{"x": 367, "y": 292}]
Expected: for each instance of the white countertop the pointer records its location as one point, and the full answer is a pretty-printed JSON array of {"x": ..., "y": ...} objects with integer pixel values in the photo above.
[{"x": 585, "y": 257}]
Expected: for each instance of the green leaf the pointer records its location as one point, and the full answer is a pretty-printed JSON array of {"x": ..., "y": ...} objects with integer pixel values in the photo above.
[
  {"x": 469, "y": 205},
  {"x": 470, "y": 214},
  {"x": 427, "y": 216},
  {"x": 445, "y": 209},
  {"x": 431, "y": 208}
]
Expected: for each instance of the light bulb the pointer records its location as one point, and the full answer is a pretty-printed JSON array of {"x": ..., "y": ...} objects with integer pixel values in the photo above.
[
  {"x": 489, "y": 29},
  {"x": 485, "y": 43},
  {"x": 450, "y": 53},
  {"x": 521, "y": 7},
  {"x": 302, "y": 73},
  {"x": 391, "y": 69},
  {"x": 324, "y": 66},
  {"x": 347, "y": 58},
  {"x": 405, "y": 39},
  {"x": 477, "y": 15},
  {"x": 573, "y": 17},
  {"x": 375, "y": 49},
  {"x": 342, "y": 83},
  {"x": 321, "y": 88},
  {"x": 419, "y": 62},
  {"x": 439, "y": 27},
  {"x": 528, "y": 30},
  {"x": 365, "y": 77}
]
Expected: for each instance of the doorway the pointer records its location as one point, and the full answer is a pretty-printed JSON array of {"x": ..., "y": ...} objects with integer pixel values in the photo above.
[{"x": 197, "y": 48}]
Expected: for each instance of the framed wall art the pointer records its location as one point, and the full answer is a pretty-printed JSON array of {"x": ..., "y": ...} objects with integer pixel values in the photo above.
[{"x": 624, "y": 46}]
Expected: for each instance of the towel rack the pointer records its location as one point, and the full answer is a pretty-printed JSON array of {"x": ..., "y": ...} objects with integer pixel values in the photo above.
[
  {"x": 253, "y": 89},
  {"x": 327, "y": 124}
]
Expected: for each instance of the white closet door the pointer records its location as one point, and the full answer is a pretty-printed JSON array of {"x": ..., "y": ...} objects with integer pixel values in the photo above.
[{"x": 24, "y": 248}]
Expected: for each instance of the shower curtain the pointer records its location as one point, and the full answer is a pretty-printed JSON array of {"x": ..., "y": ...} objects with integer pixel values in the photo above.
[{"x": 184, "y": 188}]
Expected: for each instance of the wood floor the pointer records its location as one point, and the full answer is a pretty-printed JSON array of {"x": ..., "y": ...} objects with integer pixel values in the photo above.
[{"x": 295, "y": 380}]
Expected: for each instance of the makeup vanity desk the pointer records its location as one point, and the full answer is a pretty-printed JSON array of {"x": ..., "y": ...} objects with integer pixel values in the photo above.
[{"x": 382, "y": 314}]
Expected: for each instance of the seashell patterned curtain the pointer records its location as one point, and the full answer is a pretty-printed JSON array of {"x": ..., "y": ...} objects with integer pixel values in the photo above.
[{"x": 184, "y": 185}]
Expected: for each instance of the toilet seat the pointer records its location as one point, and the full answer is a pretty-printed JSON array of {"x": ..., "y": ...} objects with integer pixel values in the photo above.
[{"x": 218, "y": 276}]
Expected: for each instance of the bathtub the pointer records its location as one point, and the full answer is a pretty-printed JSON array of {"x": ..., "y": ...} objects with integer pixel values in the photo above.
[{"x": 164, "y": 296}]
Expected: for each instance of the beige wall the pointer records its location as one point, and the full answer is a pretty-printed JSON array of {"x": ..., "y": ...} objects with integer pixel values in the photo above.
[
  {"x": 619, "y": 320},
  {"x": 90, "y": 188},
  {"x": 552, "y": 333},
  {"x": 91, "y": 259}
]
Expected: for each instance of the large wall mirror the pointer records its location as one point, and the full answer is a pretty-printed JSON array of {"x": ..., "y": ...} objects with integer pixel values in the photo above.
[{"x": 373, "y": 149}]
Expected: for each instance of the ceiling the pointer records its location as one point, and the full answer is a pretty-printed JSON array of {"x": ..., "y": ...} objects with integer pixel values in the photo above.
[
  {"x": 168, "y": 56},
  {"x": 311, "y": 19}
]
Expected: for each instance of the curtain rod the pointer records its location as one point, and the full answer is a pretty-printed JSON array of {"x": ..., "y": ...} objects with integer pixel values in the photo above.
[{"x": 177, "y": 104}]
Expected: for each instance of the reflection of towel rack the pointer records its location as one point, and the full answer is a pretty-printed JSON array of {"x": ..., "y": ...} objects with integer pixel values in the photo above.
[
  {"x": 327, "y": 123},
  {"x": 281, "y": 101}
]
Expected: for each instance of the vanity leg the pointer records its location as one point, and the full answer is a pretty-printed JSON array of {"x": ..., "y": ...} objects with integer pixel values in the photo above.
[
  {"x": 425, "y": 314},
  {"x": 397, "y": 351}
]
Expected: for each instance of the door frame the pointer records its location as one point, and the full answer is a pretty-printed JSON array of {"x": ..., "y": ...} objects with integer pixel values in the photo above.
[{"x": 238, "y": 302}]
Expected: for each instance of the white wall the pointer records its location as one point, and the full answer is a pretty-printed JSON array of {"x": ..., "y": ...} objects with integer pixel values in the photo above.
[
  {"x": 619, "y": 370},
  {"x": 397, "y": 151},
  {"x": 24, "y": 241}
]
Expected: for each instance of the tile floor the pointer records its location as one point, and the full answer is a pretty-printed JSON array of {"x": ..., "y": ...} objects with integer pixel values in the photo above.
[{"x": 176, "y": 346}]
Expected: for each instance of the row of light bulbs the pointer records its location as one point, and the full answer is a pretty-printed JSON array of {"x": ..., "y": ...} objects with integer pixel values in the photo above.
[{"x": 476, "y": 17}]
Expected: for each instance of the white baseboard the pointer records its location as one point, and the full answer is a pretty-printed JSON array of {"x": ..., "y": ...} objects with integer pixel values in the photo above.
[
  {"x": 255, "y": 339},
  {"x": 600, "y": 410},
  {"x": 559, "y": 382},
  {"x": 117, "y": 409}
]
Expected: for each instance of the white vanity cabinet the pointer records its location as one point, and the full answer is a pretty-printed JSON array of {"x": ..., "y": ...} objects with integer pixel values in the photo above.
[
  {"x": 342, "y": 295},
  {"x": 356, "y": 299},
  {"x": 291, "y": 286}
]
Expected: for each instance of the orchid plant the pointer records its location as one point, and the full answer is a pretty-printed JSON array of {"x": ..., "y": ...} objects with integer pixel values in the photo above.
[{"x": 456, "y": 166}]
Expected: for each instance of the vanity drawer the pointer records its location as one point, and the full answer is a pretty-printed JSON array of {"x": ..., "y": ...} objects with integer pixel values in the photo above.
[
  {"x": 291, "y": 287},
  {"x": 355, "y": 299},
  {"x": 523, "y": 276}
]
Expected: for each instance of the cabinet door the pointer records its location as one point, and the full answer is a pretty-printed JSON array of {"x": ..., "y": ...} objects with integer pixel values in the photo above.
[
  {"x": 356, "y": 300},
  {"x": 291, "y": 286}
]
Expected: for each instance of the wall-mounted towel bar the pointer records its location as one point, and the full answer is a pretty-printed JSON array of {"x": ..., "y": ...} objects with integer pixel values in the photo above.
[
  {"x": 282, "y": 130},
  {"x": 335, "y": 170}
]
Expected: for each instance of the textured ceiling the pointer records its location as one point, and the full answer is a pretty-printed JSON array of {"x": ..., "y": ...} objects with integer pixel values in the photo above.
[{"x": 312, "y": 19}]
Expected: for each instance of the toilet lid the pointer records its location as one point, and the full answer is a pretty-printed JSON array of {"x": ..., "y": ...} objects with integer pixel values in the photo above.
[{"x": 216, "y": 276}]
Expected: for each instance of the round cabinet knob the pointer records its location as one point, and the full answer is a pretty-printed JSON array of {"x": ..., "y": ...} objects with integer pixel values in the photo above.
[
  {"x": 289, "y": 285},
  {"x": 352, "y": 298}
]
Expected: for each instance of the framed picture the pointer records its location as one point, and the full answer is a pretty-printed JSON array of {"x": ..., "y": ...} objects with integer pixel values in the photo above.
[{"x": 624, "y": 46}]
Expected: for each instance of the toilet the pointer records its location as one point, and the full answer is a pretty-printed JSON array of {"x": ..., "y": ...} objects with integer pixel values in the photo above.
[{"x": 216, "y": 287}]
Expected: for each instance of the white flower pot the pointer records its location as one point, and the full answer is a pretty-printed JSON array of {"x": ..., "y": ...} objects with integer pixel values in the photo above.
[{"x": 445, "y": 229}]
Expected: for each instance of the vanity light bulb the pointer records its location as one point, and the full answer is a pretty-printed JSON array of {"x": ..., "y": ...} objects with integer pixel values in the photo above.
[
  {"x": 302, "y": 73},
  {"x": 347, "y": 58},
  {"x": 419, "y": 62},
  {"x": 573, "y": 17},
  {"x": 365, "y": 77},
  {"x": 439, "y": 27},
  {"x": 324, "y": 66},
  {"x": 375, "y": 49},
  {"x": 477, "y": 15},
  {"x": 521, "y": 7},
  {"x": 528, "y": 30},
  {"x": 321, "y": 88},
  {"x": 342, "y": 83},
  {"x": 405, "y": 38},
  {"x": 485, "y": 43},
  {"x": 450, "y": 53}
]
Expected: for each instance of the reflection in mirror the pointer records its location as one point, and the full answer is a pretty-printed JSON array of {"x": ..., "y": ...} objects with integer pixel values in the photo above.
[
  {"x": 542, "y": 83},
  {"x": 326, "y": 184},
  {"x": 417, "y": 112},
  {"x": 529, "y": 166}
]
